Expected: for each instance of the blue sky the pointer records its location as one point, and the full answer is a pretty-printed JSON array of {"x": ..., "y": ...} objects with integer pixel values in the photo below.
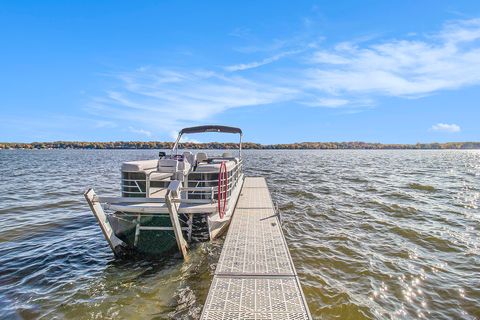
[{"x": 284, "y": 71}]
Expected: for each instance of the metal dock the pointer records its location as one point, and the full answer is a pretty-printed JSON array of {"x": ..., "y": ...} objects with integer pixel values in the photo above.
[{"x": 255, "y": 277}]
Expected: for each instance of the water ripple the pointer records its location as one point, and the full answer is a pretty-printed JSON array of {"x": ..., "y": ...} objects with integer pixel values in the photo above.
[{"x": 374, "y": 234}]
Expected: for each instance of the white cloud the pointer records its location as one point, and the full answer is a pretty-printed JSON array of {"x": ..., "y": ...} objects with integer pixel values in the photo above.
[
  {"x": 140, "y": 131},
  {"x": 328, "y": 58},
  {"x": 326, "y": 102},
  {"x": 164, "y": 100},
  {"x": 444, "y": 127},
  {"x": 256, "y": 64},
  {"x": 240, "y": 32},
  {"x": 348, "y": 75},
  {"x": 105, "y": 124},
  {"x": 402, "y": 68}
]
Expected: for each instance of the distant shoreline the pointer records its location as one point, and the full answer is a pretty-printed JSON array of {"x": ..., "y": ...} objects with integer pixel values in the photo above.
[{"x": 246, "y": 145}]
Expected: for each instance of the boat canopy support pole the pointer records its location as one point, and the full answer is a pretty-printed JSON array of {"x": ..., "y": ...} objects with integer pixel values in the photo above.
[
  {"x": 115, "y": 243},
  {"x": 173, "y": 191}
]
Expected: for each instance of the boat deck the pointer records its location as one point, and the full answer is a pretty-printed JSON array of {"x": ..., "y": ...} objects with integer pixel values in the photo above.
[{"x": 255, "y": 277}]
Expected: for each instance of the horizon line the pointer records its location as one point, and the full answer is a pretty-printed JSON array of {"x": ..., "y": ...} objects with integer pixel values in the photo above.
[{"x": 245, "y": 145}]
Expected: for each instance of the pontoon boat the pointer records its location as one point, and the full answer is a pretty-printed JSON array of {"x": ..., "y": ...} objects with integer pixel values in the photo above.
[{"x": 171, "y": 201}]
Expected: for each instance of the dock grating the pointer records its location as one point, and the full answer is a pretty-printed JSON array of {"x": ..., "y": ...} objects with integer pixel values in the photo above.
[
  {"x": 255, "y": 245},
  {"x": 255, "y": 277}
]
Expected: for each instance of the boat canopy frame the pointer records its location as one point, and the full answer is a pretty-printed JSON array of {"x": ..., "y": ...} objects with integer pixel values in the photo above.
[{"x": 209, "y": 128}]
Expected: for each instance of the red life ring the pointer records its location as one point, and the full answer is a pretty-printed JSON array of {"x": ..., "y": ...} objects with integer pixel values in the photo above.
[{"x": 222, "y": 190}]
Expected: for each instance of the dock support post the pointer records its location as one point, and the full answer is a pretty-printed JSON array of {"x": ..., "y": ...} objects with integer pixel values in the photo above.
[
  {"x": 174, "y": 192},
  {"x": 115, "y": 243}
]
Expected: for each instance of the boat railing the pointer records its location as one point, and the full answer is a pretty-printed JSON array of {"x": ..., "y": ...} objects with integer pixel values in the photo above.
[
  {"x": 206, "y": 194},
  {"x": 199, "y": 191},
  {"x": 232, "y": 179},
  {"x": 133, "y": 187},
  {"x": 202, "y": 191}
]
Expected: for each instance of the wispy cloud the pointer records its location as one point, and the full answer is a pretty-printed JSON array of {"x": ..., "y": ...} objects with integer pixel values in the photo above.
[
  {"x": 105, "y": 124},
  {"x": 241, "y": 32},
  {"x": 401, "y": 68},
  {"x": 255, "y": 64},
  {"x": 326, "y": 102},
  {"x": 140, "y": 131},
  {"x": 159, "y": 99},
  {"x": 345, "y": 75},
  {"x": 444, "y": 127}
]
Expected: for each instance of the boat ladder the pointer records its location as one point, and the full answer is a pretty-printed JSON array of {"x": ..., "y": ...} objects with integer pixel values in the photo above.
[{"x": 154, "y": 205}]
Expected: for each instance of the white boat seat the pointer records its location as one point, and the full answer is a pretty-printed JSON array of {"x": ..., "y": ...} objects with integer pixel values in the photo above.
[
  {"x": 157, "y": 176},
  {"x": 190, "y": 157},
  {"x": 141, "y": 165},
  {"x": 173, "y": 166},
  {"x": 215, "y": 166},
  {"x": 227, "y": 155},
  {"x": 167, "y": 165},
  {"x": 184, "y": 166},
  {"x": 201, "y": 156}
]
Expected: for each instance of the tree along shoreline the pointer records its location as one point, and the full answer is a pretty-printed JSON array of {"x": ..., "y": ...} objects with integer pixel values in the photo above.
[{"x": 246, "y": 145}]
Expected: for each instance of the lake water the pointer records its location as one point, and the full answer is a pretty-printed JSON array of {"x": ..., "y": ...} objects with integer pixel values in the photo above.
[{"x": 373, "y": 234}]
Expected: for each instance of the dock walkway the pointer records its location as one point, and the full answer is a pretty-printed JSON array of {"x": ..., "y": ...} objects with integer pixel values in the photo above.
[{"x": 255, "y": 277}]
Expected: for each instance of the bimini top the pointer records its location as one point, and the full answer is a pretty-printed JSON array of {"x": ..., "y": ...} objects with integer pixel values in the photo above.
[{"x": 211, "y": 128}]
